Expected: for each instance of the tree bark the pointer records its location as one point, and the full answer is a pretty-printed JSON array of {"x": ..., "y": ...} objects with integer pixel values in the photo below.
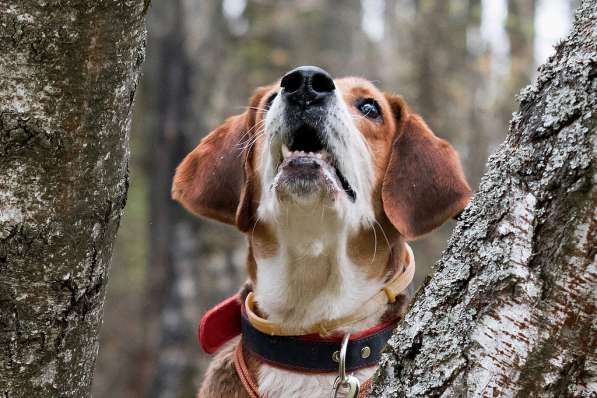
[
  {"x": 68, "y": 74},
  {"x": 510, "y": 310}
]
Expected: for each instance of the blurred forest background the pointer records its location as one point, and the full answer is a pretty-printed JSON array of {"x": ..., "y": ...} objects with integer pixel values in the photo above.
[{"x": 459, "y": 63}]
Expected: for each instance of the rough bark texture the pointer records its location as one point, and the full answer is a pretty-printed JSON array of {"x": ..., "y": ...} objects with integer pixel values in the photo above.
[
  {"x": 510, "y": 310},
  {"x": 68, "y": 74}
]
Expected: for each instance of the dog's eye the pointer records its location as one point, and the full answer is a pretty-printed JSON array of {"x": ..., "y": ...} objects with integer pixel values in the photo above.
[
  {"x": 269, "y": 101},
  {"x": 370, "y": 108}
]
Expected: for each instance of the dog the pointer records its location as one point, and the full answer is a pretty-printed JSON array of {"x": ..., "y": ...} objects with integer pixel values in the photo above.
[{"x": 328, "y": 178}]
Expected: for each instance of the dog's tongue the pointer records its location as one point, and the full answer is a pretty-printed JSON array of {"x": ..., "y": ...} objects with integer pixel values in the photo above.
[{"x": 220, "y": 324}]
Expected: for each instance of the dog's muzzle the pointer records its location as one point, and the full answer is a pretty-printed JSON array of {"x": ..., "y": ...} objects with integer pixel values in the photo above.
[{"x": 308, "y": 164}]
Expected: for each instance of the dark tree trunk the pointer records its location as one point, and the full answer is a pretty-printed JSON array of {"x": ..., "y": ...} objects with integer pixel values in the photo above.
[
  {"x": 68, "y": 74},
  {"x": 478, "y": 108},
  {"x": 521, "y": 35},
  {"x": 510, "y": 310},
  {"x": 185, "y": 62},
  {"x": 171, "y": 279}
]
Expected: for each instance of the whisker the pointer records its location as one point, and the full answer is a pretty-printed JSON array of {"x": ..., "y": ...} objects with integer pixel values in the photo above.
[
  {"x": 384, "y": 234},
  {"x": 247, "y": 133},
  {"x": 258, "y": 135},
  {"x": 262, "y": 110},
  {"x": 253, "y": 229},
  {"x": 254, "y": 138},
  {"x": 242, "y": 144},
  {"x": 248, "y": 148},
  {"x": 374, "y": 244},
  {"x": 252, "y": 107}
]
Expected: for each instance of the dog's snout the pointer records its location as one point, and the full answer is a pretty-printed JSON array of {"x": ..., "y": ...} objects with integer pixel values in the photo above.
[{"x": 307, "y": 85}]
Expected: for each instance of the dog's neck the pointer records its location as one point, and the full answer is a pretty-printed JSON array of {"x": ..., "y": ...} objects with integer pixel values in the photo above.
[{"x": 312, "y": 277}]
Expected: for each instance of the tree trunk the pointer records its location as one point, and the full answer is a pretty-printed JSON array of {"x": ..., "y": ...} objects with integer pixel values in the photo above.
[
  {"x": 479, "y": 107},
  {"x": 68, "y": 74},
  {"x": 510, "y": 310},
  {"x": 171, "y": 279}
]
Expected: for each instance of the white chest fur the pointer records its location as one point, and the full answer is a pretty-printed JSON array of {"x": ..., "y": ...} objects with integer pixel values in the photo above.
[
  {"x": 274, "y": 383},
  {"x": 310, "y": 279}
]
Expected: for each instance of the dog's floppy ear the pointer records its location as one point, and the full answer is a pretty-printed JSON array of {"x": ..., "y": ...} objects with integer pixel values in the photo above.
[
  {"x": 215, "y": 179},
  {"x": 423, "y": 184}
]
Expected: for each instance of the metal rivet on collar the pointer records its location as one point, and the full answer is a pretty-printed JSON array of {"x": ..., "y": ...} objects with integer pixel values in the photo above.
[
  {"x": 336, "y": 356},
  {"x": 365, "y": 352}
]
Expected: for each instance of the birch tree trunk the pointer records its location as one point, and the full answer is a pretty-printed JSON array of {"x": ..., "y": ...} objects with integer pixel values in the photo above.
[
  {"x": 68, "y": 74},
  {"x": 510, "y": 310}
]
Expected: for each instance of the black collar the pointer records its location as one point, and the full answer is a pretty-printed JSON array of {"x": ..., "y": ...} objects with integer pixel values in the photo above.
[{"x": 314, "y": 354}]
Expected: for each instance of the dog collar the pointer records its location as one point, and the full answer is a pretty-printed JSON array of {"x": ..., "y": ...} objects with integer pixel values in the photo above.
[
  {"x": 313, "y": 353},
  {"x": 223, "y": 322},
  {"x": 386, "y": 295}
]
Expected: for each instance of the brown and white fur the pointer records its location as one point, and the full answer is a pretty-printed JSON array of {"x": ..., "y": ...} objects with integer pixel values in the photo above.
[{"x": 317, "y": 251}]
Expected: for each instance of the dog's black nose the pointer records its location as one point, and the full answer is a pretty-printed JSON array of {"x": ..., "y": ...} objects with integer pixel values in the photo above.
[{"x": 307, "y": 85}]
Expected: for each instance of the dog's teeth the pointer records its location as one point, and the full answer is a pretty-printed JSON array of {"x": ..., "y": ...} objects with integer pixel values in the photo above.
[{"x": 285, "y": 151}]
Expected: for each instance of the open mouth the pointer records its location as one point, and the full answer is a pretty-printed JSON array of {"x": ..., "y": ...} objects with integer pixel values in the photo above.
[{"x": 306, "y": 142}]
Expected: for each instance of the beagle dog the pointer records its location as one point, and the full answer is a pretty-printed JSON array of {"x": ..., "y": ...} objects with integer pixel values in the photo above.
[{"x": 328, "y": 178}]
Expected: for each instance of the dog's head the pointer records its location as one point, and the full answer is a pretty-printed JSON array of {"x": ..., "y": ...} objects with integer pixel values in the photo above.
[{"x": 311, "y": 142}]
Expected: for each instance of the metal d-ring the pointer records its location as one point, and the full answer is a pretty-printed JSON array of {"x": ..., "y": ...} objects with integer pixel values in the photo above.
[
  {"x": 350, "y": 383},
  {"x": 342, "y": 359}
]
